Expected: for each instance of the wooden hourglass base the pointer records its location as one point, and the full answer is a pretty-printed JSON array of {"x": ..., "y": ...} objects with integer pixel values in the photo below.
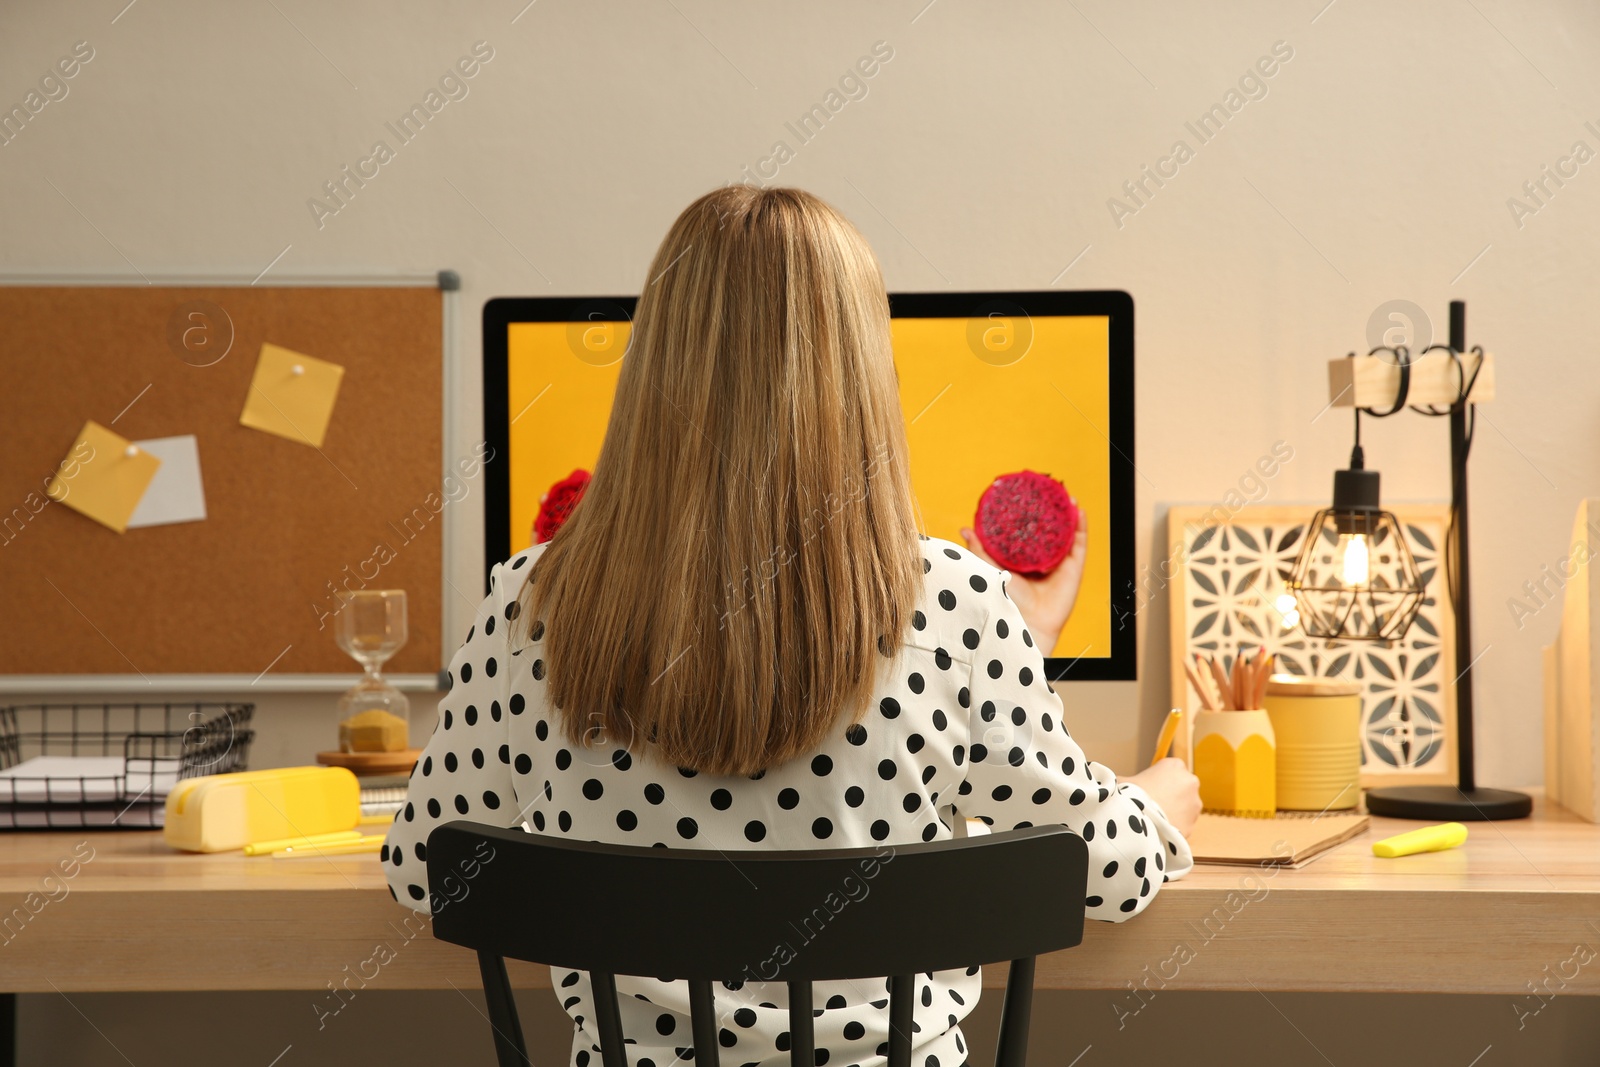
[{"x": 363, "y": 764}]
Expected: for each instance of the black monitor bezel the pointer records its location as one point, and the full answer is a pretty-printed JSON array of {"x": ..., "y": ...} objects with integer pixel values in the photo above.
[{"x": 1116, "y": 306}]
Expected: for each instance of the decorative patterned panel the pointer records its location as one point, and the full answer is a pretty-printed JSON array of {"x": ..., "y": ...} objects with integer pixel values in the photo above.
[{"x": 1230, "y": 574}]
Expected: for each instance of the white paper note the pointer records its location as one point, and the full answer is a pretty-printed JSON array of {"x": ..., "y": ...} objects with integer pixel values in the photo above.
[{"x": 175, "y": 494}]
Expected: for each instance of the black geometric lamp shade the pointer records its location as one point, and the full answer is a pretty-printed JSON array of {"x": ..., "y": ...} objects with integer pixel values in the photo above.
[{"x": 1355, "y": 578}]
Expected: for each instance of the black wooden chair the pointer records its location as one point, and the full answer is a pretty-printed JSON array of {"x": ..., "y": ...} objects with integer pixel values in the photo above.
[{"x": 707, "y": 916}]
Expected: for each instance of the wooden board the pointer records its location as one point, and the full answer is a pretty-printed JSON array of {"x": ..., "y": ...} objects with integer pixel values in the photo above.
[
  {"x": 287, "y": 523},
  {"x": 372, "y": 764},
  {"x": 1223, "y": 598},
  {"x": 1432, "y": 379},
  {"x": 138, "y": 916},
  {"x": 1571, "y": 713}
]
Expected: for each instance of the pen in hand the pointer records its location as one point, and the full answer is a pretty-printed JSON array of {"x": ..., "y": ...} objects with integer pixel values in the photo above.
[{"x": 1169, "y": 731}]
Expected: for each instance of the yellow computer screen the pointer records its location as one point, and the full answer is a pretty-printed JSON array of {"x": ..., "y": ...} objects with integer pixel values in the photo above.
[{"x": 1027, "y": 395}]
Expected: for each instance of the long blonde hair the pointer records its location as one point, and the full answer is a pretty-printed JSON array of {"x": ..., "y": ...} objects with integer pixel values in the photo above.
[{"x": 746, "y": 552}]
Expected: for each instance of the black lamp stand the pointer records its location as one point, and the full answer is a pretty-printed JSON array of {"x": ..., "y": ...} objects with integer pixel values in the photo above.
[{"x": 1465, "y": 801}]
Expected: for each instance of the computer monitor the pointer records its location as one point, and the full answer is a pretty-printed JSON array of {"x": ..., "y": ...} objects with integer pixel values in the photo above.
[{"x": 993, "y": 386}]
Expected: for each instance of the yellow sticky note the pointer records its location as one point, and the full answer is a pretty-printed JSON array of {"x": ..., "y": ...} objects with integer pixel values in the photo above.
[
  {"x": 292, "y": 395},
  {"x": 103, "y": 477}
]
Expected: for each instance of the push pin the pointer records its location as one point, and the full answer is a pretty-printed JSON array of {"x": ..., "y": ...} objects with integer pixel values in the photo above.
[
  {"x": 297, "y": 369},
  {"x": 131, "y": 451}
]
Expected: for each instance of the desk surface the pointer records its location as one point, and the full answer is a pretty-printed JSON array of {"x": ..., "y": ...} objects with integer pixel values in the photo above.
[{"x": 1508, "y": 908}]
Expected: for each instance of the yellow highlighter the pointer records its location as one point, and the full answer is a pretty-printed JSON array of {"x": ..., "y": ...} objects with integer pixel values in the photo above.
[
  {"x": 354, "y": 847},
  {"x": 1428, "y": 839},
  {"x": 267, "y": 848}
]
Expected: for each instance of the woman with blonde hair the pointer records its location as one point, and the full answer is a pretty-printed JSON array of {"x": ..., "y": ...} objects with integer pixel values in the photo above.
[{"x": 739, "y": 640}]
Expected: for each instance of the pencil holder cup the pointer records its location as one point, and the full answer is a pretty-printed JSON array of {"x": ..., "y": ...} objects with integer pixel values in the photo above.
[
  {"x": 1234, "y": 758},
  {"x": 1317, "y": 724}
]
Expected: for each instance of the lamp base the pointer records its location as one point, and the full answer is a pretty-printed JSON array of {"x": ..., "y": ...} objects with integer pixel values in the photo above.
[{"x": 1446, "y": 803}]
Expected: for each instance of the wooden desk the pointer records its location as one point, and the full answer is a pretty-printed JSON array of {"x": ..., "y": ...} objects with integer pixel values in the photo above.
[{"x": 1486, "y": 918}]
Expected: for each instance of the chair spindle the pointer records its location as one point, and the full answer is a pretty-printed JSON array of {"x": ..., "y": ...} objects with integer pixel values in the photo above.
[
  {"x": 902, "y": 1001},
  {"x": 703, "y": 1014},
  {"x": 608, "y": 1018},
  {"x": 509, "y": 1047},
  {"x": 802, "y": 1029},
  {"x": 1011, "y": 1050}
]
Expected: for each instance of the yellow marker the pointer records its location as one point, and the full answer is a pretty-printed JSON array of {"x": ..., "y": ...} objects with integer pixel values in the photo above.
[
  {"x": 354, "y": 847},
  {"x": 1169, "y": 731},
  {"x": 1428, "y": 839},
  {"x": 265, "y": 848}
]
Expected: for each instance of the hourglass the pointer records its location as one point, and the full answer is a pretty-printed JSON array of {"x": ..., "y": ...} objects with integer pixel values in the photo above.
[{"x": 374, "y": 716}]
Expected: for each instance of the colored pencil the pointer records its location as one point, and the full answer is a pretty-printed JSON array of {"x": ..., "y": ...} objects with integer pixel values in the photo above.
[
  {"x": 1199, "y": 686},
  {"x": 1239, "y": 687},
  {"x": 1224, "y": 685},
  {"x": 1261, "y": 682}
]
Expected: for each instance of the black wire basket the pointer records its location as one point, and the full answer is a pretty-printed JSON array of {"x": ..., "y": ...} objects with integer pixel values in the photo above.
[{"x": 110, "y": 766}]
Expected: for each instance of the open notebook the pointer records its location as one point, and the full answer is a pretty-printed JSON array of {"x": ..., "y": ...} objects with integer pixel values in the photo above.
[{"x": 1290, "y": 839}]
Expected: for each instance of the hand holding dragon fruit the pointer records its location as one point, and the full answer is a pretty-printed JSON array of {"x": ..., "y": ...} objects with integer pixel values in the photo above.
[{"x": 1027, "y": 523}]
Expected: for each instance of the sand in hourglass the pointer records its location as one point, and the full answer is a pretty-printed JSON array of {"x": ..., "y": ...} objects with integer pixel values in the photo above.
[{"x": 374, "y": 716}]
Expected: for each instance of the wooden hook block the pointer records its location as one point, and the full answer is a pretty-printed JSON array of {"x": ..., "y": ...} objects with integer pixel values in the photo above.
[{"x": 1374, "y": 381}]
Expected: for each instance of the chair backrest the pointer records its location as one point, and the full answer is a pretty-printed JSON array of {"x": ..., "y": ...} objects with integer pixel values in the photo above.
[{"x": 706, "y": 916}]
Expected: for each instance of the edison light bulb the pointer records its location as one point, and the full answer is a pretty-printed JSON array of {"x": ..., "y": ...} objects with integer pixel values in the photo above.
[{"x": 1354, "y": 570}]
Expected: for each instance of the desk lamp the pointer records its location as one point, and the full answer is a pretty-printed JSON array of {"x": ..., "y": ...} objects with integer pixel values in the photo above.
[{"x": 1355, "y": 579}]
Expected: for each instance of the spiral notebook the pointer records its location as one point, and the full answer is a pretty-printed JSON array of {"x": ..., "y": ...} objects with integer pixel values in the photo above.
[{"x": 1288, "y": 839}]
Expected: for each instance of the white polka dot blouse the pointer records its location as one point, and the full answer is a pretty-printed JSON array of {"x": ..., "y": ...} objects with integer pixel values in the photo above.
[{"x": 963, "y": 725}]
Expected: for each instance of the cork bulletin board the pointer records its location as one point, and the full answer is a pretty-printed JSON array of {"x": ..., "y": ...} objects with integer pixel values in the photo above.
[{"x": 250, "y": 589}]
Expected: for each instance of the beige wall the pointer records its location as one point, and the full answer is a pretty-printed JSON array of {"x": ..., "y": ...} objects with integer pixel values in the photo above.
[{"x": 1376, "y": 167}]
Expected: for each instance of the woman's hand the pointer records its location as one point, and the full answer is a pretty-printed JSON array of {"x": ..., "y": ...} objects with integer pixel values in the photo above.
[
  {"x": 1170, "y": 785},
  {"x": 1045, "y": 603}
]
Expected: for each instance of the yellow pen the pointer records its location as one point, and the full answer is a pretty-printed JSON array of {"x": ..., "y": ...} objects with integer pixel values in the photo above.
[
  {"x": 356, "y": 847},
  {"x": 1169, "y": 731},
  {"x": 1428, "y": 839},
  {"x": 265, "y": 848}
]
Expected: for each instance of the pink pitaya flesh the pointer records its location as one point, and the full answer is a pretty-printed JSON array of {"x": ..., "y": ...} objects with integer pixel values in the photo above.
[{"x": 1026, "y": 522}]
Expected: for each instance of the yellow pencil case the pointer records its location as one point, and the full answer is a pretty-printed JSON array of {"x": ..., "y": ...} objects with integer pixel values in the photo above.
[{"x": 226, "y": 811}]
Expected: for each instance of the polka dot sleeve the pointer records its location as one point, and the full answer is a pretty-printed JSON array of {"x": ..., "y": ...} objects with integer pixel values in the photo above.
[
  {"x": 465, "y": 771},
  {"x": 1026, "y": 770}
]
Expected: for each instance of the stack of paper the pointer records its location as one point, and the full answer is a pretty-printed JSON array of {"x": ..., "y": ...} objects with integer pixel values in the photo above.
[{"x": 87, "y": 779}]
